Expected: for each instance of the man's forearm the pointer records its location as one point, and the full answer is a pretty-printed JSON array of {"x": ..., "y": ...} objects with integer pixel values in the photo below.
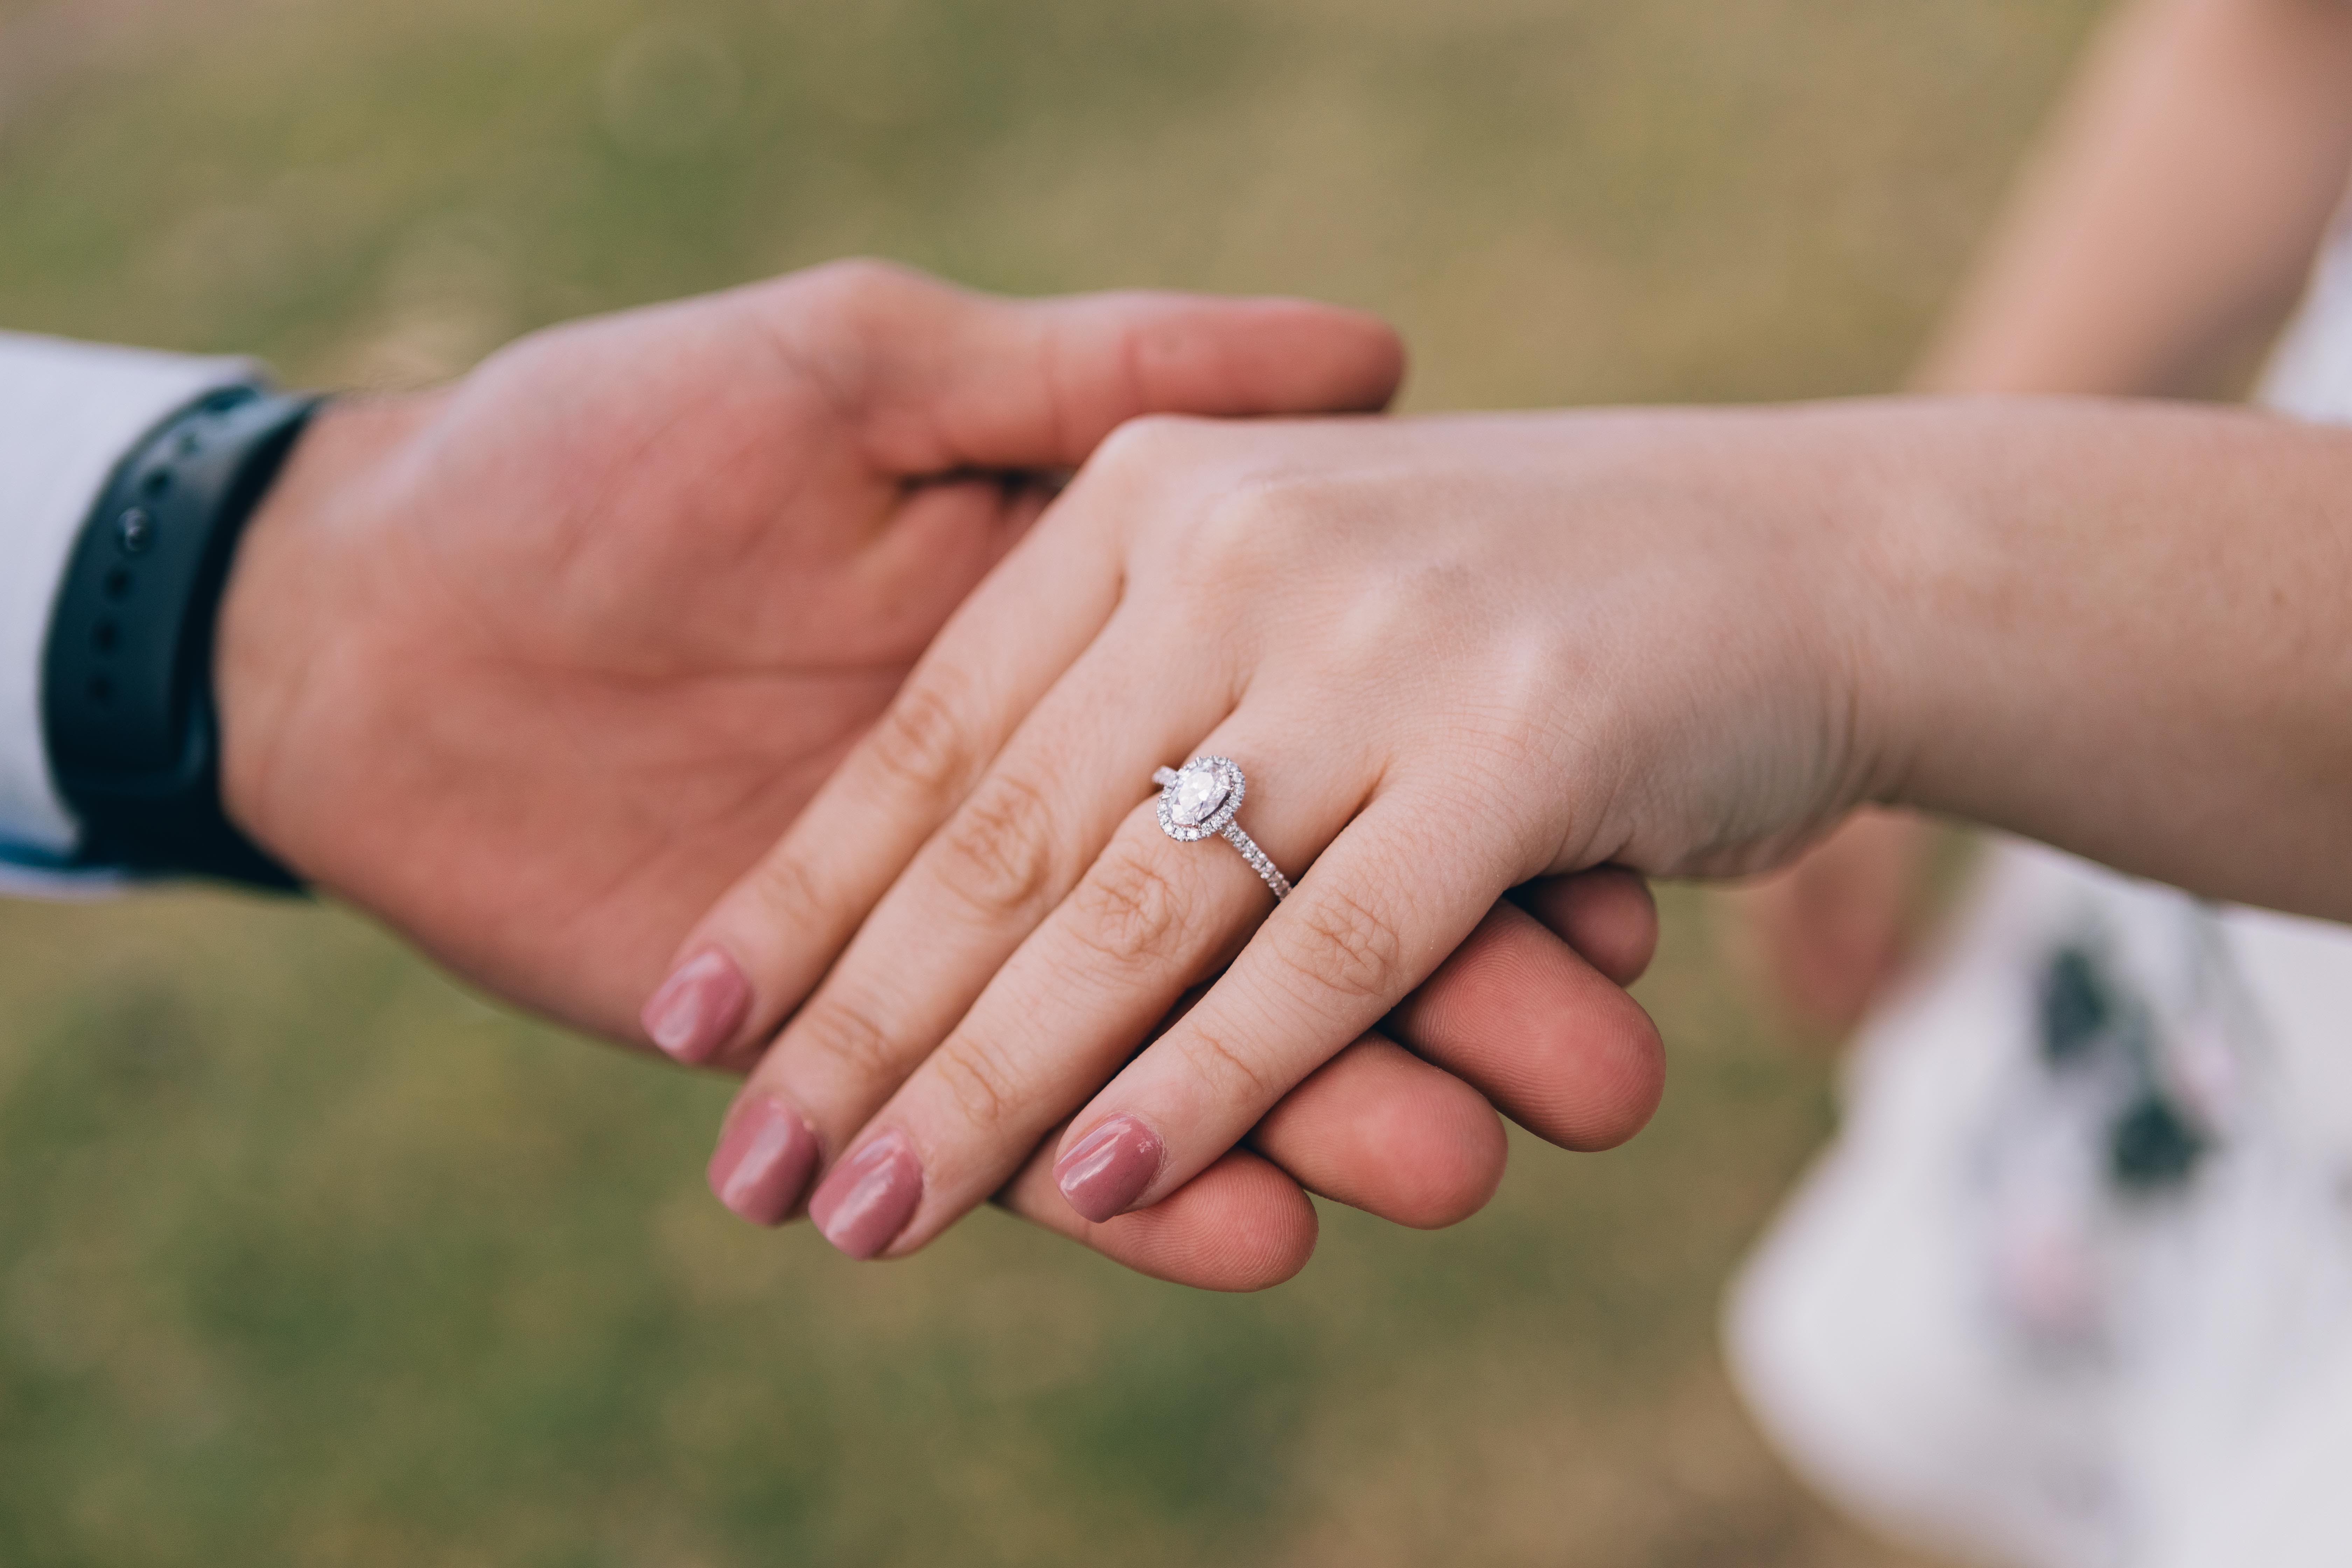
[
  {"x": 2122, "y": 628},
  {"x": 2173, "y": 213}
]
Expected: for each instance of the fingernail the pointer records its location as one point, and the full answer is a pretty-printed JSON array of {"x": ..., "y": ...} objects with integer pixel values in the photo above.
[
  {"x": 698, "y": 1007},
  {"x": 763, "y": 1160},
  {"x": 870, "y": 1198},
  {"x": 1109, "y": 1168}
]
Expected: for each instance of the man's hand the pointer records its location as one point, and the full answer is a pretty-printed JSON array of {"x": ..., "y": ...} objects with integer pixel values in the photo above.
[{"x": 532, "y": 667}]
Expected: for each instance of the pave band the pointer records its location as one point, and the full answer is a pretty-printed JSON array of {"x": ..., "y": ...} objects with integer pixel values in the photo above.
[{"x": 1201, "y": 798}]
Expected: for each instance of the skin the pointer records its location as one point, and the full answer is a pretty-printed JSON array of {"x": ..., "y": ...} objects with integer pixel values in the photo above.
[
  {"x": 2159, "y": 237},
  {"x": 1459, "y": 654},
  {"x": 531, "y": 666}
]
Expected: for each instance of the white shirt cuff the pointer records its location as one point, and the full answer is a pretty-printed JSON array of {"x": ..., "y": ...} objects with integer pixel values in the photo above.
[{"x": 69, "y": 413}]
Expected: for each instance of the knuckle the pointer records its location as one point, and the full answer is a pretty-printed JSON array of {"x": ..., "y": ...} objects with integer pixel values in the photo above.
[
  {"x": 1128, "y": 910},
  {"x": 1144, "y": 464},
  {"x": 1342, "y": 945},
  {"x": 1251, "y": 531},
  {"x": 979, "y": 1080},
  {"x": 833, "y": 322},
  {"x": 920, "y": 743},
  {"x": 785, "y": 887},
  {"x": 997, "y": 854},
  {"x": 854, "y": 283},
  {"x": 1146, "y": 444},
  {"x": 1372, "y": 629},
  {"x": 848, "y": 1034},
  {"x": 1230, "y": 1075}
]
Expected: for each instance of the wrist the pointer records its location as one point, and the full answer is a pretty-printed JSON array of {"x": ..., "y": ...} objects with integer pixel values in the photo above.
[
  {"x": 1988, "y": 582},
  {"x": 297, "y": 583},
  {"x": 1899, "y": 525}
]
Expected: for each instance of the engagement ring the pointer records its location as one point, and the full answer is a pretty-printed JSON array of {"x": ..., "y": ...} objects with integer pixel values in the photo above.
[{"x": 1200, "y": 798}]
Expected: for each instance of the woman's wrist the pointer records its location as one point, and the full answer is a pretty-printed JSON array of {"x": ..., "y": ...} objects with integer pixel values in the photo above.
[
  {"x": 1904, "y": 515},
  {"x": 1865, "y": 506}
]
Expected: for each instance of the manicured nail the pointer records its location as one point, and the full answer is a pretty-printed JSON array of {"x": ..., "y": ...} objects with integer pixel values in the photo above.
[
  {"x": 698, "y": 1007},
  {"x": 870, "y": 1198},
  {"x": 763, "y": 1160},
  {"x": 1109, "y": 1168}
]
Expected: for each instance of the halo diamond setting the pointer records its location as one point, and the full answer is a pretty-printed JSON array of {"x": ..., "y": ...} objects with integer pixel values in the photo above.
[{"x": 1200, "y": 799}]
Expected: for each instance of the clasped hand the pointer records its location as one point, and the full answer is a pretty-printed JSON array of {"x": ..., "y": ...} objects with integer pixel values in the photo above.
[
  {"x": 1452, "y": 656},
  {"x": 534, "y": 667}
]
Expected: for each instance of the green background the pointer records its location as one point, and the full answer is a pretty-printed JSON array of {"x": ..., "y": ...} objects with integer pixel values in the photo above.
[{"x": 306, "y": 1256}]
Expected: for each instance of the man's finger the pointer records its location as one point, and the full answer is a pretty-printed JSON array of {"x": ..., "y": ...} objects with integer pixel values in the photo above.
[
  {"x": 1241, "y": 1224},
  {"x": 944, "y": 378},
  {"x": 1555, "y": 1043},
  {"x": 1606, "y": 914},
  {"x": 1378, "y": 1128}
]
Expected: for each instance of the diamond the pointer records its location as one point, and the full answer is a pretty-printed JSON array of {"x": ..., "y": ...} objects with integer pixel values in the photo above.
[
  {"x": 1199, "y": 789},
  {"x": 1200, "y": 799}
]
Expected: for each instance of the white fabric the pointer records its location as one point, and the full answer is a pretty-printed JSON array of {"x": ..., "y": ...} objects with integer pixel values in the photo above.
[
  {"x": 1966, "y": 1331},
  {"x": 1959, "y": 1330},
  {"x": 2310, "y": 373},
  {"x": 69, "y": 413}
]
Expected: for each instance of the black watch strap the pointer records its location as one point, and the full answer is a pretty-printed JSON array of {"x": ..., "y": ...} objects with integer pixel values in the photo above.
[{"x": 126, "y": 680}]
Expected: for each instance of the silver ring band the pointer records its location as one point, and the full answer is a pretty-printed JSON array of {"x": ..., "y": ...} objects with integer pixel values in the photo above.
[{"x": 1201, "y": 798}]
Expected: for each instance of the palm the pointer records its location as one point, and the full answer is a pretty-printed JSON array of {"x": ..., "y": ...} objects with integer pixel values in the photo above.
[{"x": 633, "y": 640}]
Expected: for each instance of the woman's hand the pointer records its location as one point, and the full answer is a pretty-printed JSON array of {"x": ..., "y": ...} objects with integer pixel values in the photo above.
[{"x": 1451, "y": 655}]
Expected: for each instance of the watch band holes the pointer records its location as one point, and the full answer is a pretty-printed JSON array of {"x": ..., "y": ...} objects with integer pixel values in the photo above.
[{"x": 126, "y": 687}]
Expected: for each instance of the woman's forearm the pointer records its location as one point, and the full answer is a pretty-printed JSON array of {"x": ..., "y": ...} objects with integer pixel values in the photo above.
[
  {"x": 2126, "y": 629},
  {"x": 2169, "y": 221}
]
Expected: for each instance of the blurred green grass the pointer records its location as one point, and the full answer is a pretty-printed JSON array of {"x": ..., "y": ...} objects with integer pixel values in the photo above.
[{"x": 308, "y": 1256}]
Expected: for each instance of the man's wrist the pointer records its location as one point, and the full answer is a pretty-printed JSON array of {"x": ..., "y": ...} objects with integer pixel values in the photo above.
[{"x": 296, "y": 586}]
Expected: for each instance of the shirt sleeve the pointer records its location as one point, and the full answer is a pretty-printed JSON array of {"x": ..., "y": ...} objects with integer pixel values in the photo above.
[{"x": 69, "y": 413}]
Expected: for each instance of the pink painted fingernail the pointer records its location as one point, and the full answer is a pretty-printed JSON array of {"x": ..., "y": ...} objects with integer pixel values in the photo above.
[
  {"x": 870, "y": 1198},
  {"x": 763, "y": 1160},
  {"x": 698, "y": 1007},
  {"x": 1109, "y": 1168}
]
